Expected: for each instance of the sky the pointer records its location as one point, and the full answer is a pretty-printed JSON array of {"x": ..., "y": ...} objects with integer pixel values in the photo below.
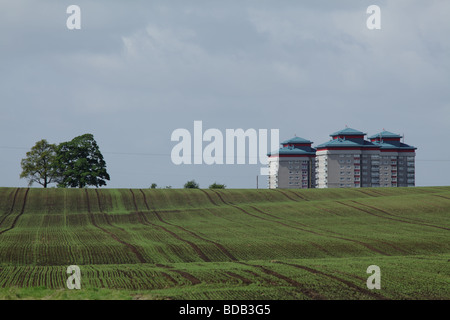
[{"x": 138, "y": 70}]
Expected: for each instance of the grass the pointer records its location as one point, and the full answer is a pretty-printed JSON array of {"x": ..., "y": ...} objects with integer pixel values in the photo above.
[{"x": 225, "y": 244}]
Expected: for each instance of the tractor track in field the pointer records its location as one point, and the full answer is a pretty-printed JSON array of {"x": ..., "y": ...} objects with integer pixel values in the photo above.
[
  {"x": 338, "y": 235},
  {"x": 184, "y": 274},
  {"x": 440, "y": 196},
  {"x": 220, "y": 197},
  {"x": 22, "y": 210},
  {"x": 12, "y": 206},
  {"x": 315, "y": 233},
  {"x": 209, "y": 197},
  {"x": 218, "y": 245},
  {"x": 367, "y": 193},
  {"x": 306, "y": 291},
  {"x": 378, "y": 193},
  {"x": 346, "y": 282},
  {"x": 387, "y": 213},
  {"x": 105, "y": 214},
  {"x": 296, "y": 194},
  {"x": 114, "y": 236},
  {"x": 145, "y": 199},
  {"x": 239, "y": 277},
  {"x": 142, "y": 218},
  {"x": 286, "y": 195}
]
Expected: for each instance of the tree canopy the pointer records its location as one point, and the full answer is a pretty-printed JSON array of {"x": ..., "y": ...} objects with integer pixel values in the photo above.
[
  {"x": 76, "y": 163},
  {"x": 39, "y": 164},
  {"x": 80, "y": 163}
]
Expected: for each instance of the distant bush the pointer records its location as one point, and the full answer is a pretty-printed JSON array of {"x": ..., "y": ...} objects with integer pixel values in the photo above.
[
  {"x": 191, "y": 185},
  {"x": 153, "y": 186},
  {"x": 217, "y": 186}
]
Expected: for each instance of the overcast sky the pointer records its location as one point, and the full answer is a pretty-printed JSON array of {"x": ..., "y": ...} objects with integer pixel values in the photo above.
[{"x": 138, "y": 70}]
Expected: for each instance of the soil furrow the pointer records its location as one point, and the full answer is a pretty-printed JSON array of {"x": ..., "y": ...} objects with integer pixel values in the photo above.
[
  {"x": 346, "y": 282},
  {"x": 115, "y": 237},
  {"x": 184, "y": 274},
  {"x": 20, "y": 214},
  {"x": 12, "y": 206},
  {"x": 306, "y": 291},
  {"x": 317, "y": 233},
  {"x": 381, "y": 216},
  {"x": 145, "y": 199},
  {"x": 209, "y": 197},
  {"x": 286, "y": 195},
  {"x": 218, "y": 245},
  {"x": 199, "y": 252},
  {"x": 241, "y": 278},
  {"x": 367, "y": 193},
  {"x": 441, "y": 196},
  {"x": 296, "y": 194},
  {"x": 220, "y": 196}
]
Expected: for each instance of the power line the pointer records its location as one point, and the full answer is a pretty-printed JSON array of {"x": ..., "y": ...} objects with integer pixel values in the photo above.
[{"x": 190, "y": 155}]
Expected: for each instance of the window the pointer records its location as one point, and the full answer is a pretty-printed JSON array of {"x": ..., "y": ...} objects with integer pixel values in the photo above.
[
  {"x": 341, "y": 156},
  {"x": 341, "y": 161}
]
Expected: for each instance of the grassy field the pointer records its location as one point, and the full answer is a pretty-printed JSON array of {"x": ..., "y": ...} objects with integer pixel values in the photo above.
[{"x": 225, "y": 244}]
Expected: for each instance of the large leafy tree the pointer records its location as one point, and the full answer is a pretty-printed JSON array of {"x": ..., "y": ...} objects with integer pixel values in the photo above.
[
  {"x": 80, "y": 163},
  {"x": 39, "y": 164}
]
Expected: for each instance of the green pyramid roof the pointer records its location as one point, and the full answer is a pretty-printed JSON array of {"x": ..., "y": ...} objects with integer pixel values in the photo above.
[
  {"x": 385, "y": 134},
  {"x": 296, "y": 140},
  {"x": 348, "y": 132}
]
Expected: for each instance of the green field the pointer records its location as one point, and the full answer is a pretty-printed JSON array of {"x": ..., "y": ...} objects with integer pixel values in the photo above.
[{"x": 225, "y": 244}]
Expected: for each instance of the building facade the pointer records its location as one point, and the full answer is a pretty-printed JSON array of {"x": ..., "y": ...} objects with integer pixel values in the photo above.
[
  {"x": 348, "y": 160},
  {"x": 293, "y": 165}
]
